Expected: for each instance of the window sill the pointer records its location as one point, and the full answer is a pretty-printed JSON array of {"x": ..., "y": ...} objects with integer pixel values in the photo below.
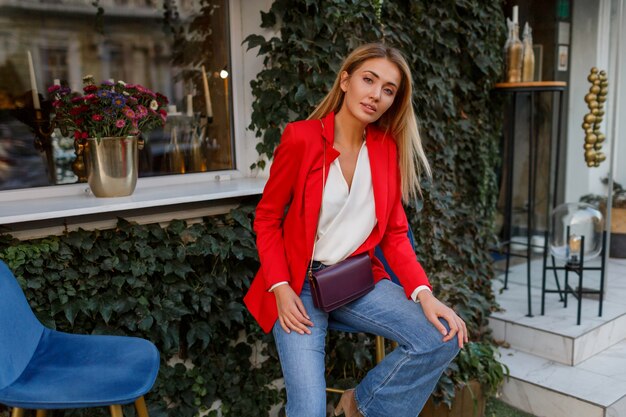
[{"x": 75, "y": 200}]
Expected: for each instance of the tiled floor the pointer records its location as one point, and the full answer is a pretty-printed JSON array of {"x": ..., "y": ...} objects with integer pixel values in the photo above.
[
  {"x": 544, "y": 348},
  {"x": 558, "y": 319},
  {"x": 556, "y": 333}
]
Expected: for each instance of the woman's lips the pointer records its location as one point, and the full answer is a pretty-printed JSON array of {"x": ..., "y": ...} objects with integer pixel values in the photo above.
[{"x": 368, "y": 108}]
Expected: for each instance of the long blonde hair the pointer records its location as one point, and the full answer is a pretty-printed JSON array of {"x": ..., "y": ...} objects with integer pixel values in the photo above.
[{"x": 399, "y": 119}]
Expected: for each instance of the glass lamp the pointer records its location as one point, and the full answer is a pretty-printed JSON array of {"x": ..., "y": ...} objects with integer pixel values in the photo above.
[{"x": 576, "y": 231}]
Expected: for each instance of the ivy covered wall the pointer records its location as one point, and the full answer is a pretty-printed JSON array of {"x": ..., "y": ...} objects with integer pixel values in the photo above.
[{"x": 181, "y": 286}]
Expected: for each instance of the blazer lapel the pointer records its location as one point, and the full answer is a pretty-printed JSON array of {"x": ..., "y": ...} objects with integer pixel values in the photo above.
[
  {"x": 379, "y": 166},
  {"x": 313, "y": 193}
]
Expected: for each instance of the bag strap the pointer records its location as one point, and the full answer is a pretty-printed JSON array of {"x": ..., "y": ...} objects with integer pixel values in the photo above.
[{"x": 323, "y": 187}]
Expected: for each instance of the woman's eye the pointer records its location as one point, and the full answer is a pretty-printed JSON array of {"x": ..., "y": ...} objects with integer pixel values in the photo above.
[
  {"x": 389, "y": 91},
  {"x": 368, "y": 80}
]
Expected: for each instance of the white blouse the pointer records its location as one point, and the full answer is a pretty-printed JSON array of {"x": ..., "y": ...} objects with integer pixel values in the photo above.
[{"x": 348, "y": 215}]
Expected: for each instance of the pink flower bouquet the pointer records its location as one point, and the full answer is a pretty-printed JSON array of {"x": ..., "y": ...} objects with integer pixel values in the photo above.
[{"x": 107, "y": 110}]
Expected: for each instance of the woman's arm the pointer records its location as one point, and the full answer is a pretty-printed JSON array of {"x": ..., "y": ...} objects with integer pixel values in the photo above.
[
  {"x": 400, "y": 255},
  {"x": 268, "y": 225},
  {"x": 399, "y": 252},
  {"x": 395, "y": 242},
  {"x": 270, "y": 212}
]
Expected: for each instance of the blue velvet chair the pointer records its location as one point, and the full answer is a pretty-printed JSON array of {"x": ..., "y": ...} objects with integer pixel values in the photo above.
[
  {"x": 43, "y": 369},
  {"x": 380, "y": 341}
]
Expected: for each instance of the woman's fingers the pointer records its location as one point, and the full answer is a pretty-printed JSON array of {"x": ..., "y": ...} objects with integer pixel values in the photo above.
[
  {"x": 291, "y": 312},
  {"x": 304, "y": 317},
  {"x": 455, "y": 330},
  {"x": 450, "y": 317},
  {"x": 284, "y": 325},
  {"x": 435, "y": 321},
  {"x": 298, "y": 318},
  {"x": 435, "y": 309},
  {"x": 458, "y": 328},
  {"x": 463, "y": 335},
  {"x": 296, "y": 323}
]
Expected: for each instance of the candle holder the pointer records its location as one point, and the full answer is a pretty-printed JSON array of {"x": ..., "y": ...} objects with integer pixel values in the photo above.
[
  {"x": 42, "y": 126},
  {"x": 78, "y": 166},
  {"x": 577, "y": 235}
]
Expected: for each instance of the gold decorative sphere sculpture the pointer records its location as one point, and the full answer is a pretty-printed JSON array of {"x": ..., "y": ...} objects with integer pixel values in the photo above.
[{"x": 591, "y": 125}]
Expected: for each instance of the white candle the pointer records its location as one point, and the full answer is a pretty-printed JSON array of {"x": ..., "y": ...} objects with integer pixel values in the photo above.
[
  {"x": 189, "y": 105},
  {"x": 33, "y": 82},
  {"x": 57, "y": 81},
  {"x": 574, "y": 244},
  {"x": 207, "y": 94},
  {"x": 515, "y": 14}
]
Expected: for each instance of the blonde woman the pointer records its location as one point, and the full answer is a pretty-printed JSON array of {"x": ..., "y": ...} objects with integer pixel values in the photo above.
[{"x": 365, "y": 131}]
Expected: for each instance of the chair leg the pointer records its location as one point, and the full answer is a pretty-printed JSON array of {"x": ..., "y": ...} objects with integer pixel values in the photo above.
[
  {"x": 140, "y": 405},
  {"x": 17, "y": 412},
  {"x": 335, "y": 390},
  {"x": 380, "y": 349},
  {"x": 41, "y": 413},
  {"x": 116, "y": 411}
]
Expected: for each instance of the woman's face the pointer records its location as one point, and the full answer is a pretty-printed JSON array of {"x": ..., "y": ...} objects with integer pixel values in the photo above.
[{"x": 370, "y": 89}]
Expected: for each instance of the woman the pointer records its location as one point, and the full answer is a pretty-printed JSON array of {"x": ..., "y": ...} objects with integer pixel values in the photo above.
[{"x": 365, "y": 131}]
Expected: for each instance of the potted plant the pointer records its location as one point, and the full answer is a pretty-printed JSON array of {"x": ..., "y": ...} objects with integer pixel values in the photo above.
[
  {"x": 617, "y": 248},
  {"x": 106, "y": 122}
]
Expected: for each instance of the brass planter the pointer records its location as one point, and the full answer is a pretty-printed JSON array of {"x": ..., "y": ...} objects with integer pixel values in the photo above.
[
  {"x": 112, "y": 165},
  {"x": 469, "y": 401}
]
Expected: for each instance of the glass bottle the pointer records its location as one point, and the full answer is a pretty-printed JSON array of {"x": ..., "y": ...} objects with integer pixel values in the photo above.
[
  {"x": 513, "y": 49},
  {"x": 528, "y": 60},
  {"x": 175, "y": 154}
]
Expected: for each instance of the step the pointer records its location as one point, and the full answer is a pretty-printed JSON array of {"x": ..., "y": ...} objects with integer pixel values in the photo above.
[
  {"x": 555, "y": 335},
  {"x": 544, "y": 388}
]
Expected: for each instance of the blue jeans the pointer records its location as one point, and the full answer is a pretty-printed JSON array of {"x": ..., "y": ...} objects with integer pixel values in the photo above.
[{"x": 398, "y": 386}]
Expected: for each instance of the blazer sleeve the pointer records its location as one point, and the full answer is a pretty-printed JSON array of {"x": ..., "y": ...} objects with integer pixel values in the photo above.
[
  {"x": 398, "y": 250},
  {"x": 270, "y": 211}
]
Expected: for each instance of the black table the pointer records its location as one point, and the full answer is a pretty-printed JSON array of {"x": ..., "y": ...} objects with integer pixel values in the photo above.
[{"x": 530, "y": 89}]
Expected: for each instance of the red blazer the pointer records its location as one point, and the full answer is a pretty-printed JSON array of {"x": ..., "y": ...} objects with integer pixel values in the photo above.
[{"x": 286, "y": 216}]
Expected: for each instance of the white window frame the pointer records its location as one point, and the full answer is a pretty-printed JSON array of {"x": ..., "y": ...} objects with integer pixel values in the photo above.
[{"x": 62, "y": 201}]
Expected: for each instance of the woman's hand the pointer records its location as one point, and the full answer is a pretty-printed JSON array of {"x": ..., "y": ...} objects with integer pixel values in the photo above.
[
  {"x": 291, "y": 312},
  {"x": 434, "y": 309}
]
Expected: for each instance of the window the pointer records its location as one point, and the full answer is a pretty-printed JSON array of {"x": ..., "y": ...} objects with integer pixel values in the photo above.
[
  {"x": 133, "y": 47},
  {"x": 55, "y": 63}
]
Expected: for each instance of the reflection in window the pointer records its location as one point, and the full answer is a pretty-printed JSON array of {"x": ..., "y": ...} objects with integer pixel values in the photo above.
[
  {"x": 135, "y": 48},
  {"x": 55, "y": 64},
  {"x": 114, "y": 58}
]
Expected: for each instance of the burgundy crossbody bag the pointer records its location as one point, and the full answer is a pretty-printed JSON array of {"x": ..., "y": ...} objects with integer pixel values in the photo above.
[{"x": 339, "y": 284}]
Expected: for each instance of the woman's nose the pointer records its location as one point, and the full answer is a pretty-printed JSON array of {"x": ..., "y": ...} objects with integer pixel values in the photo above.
[{"x": 376, "y": 93}]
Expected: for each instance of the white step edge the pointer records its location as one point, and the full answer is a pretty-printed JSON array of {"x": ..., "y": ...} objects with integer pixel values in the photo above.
[
  {"x": 565, "y": 349},
  {"x": 544, "y": 388}
]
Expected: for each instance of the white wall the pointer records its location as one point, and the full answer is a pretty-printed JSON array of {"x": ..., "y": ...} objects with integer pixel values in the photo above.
[
  {"x": 617, "y": 87},
  {"x": 595, "y": 25},
  {"x": 246, "y": 20},
  {"x": 589, "y": 47}
]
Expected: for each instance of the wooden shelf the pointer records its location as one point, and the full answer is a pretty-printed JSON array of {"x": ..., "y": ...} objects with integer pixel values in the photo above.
[{"x": 532, "y": 84}]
